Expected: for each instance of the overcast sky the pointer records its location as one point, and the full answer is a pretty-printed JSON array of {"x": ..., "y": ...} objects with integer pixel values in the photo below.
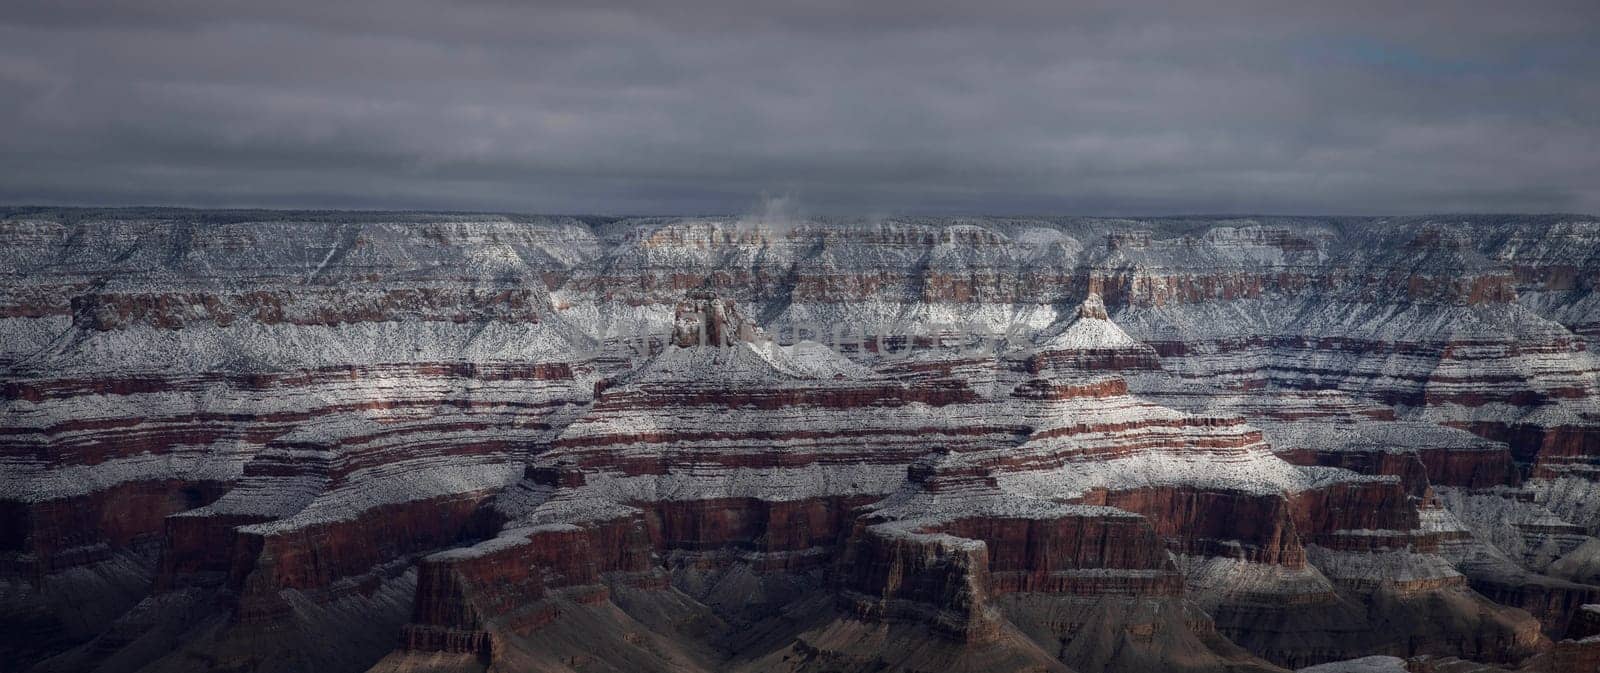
[{"x": 865, "y": 107}]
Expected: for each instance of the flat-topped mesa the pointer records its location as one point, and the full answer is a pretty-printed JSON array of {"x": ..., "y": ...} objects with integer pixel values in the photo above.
[
  {"x": 704, "y": 319},
  {"x": 972, "y": 563},
  {"x": 1093, "y": 342},
  {"x": 1580, "y": 649}
]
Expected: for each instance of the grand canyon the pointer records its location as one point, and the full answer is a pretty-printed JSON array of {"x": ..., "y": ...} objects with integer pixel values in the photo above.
[{"x": 345, "y": 441}]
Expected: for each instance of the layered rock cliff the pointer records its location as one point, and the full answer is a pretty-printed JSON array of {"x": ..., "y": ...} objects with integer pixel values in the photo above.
[{"x": 335, "y": 441}]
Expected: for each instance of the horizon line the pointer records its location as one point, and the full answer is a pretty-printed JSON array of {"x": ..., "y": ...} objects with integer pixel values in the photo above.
[{"x": 12, "y": 210}]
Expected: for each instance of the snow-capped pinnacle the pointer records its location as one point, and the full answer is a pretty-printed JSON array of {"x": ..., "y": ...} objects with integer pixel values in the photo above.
[
  {"x": 713, "y": 343},
  {"x": 1093, "y": 307},
  {"x": 704, "y": 319},
  {"x": 1093, "y": 330}
]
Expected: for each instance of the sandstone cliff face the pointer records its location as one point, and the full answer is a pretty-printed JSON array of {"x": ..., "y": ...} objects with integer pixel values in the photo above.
[{"x": 240, "y": 443}]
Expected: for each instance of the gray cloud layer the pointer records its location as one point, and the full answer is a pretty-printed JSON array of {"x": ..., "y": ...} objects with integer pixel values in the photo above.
[{"x": 862, "y": 107}]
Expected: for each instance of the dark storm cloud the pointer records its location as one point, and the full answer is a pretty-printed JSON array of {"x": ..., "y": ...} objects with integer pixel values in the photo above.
[{"x": 855, "y": 107}]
